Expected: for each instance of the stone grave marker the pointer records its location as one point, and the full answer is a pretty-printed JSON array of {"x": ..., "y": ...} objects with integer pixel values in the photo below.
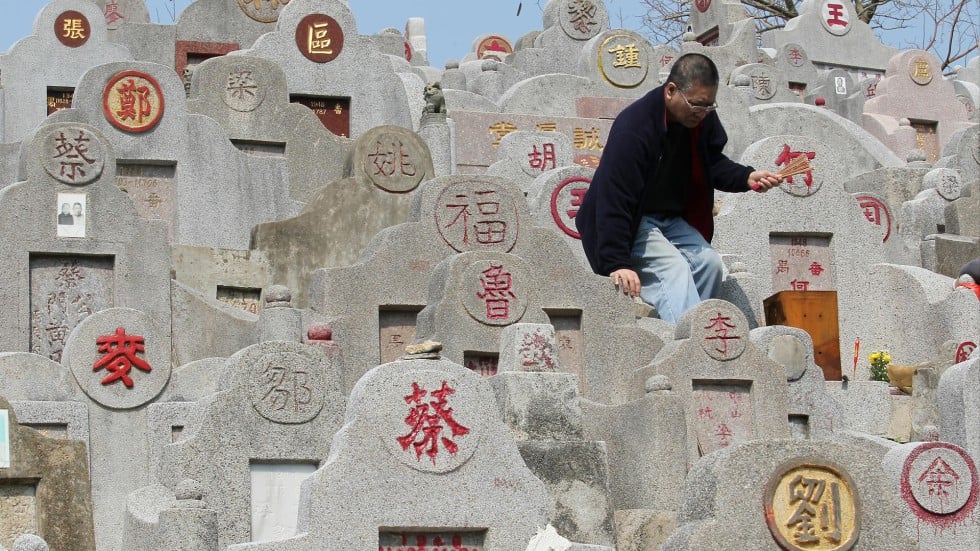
[
  {"x": 938, "y": 485},
  {"x": 35, "y": 86},
  {"x": 554, "y": 198},
  {"x": 833, "y": 36},
  {"x": 959, "y": 409},
  {"x": 329, "y": 66},
  {"x": 766, "y": 83},
  {"x": 185, "y": 165},
  {"x": 269, "y": 425},
  {"x": 524, "y": 155},
  {"x": 838, "y": 91},
  {"x": 44, "y": 487},
  {"x": 383, "y": 451},
  {"x": 793, "y": 61},
  {"x": 99, "y": 256},
  {"x": 622, "y": 60},
  {"x": 734, "y": 393},
  {"x": 249, "y": 99},
  {"x": 387, "y": 165},
  {"x": 805, "y": 495},
  {"x": 914, "y": 89}
]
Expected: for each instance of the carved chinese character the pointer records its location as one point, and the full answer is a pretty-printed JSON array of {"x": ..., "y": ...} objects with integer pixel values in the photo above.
[
  {"x": 72, "y": 28},
  {"x": 762, "y": 86},
  {"x": 72, "y": 153},
  {"x": 812, "y": 506},
  {"x": 809, "y": 187},
  {"x": 547, "y": 127},
  {"x": 427, "y": 420},
  {"x": 539, "y": 160},
  {"x": 919, "y": 70},
  {"x": 477, "y": 217},
  {"x": 964, "y": 350},
  {"x": 111, "y": 13},
  {"x": 319, "y": 38},
  {"x": 537, "y": 351},
  {"x": 795, "y": 57},
  {"x": 499, "y": 130},
  {"x": 835, "y": 18},
  {"x": 565, "y": 201},
  {"x": 133, "y": 101},
  {"x": 587, "y": 139},
  {"x": 721, "y": 330},
  {"x": 497, "y": 292},
  {"x": 120, "y": 356},
  {"x": 721, "y": 325},
  {"x": 389, "y": 158},
  {"x": 582, "y": 15},
  {"x": 816, "y": 269}
]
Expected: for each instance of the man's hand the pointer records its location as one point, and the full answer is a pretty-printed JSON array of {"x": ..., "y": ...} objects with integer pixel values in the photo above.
[
  {"x": 627, "y": 280},
  {"x": 763, "y": 180}
]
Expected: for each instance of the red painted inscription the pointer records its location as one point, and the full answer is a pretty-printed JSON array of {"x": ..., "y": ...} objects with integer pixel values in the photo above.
[
  {"x": 120, "y": 356},
  {"x": 427, "y": 420}
]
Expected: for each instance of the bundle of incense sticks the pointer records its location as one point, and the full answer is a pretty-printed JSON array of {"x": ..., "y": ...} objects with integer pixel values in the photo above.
[{"x": 797, "y": 165}]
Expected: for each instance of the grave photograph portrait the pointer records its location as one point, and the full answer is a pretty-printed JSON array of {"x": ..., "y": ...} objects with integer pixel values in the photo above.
[{"x": 71, "y": 215}]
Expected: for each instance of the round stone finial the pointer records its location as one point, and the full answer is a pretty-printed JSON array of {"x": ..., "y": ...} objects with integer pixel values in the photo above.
[
  {"x": 189, "y": 489},
  {"x": 278, "y": 296},
  {"x": 319, "y": 332},
  {"x": 452, "y": 64},
  {"x": 820, "y": 102},
  {"x": 742, "y": 81},
  {"x": 904, "y": 122},
  {"x": 657, "y": 383},
  {"x": 930, "y": 433},
  {"x": 689, "y": 36},
  {"x": 30, "y": 542},
  {"x": 916, "y": 156}
]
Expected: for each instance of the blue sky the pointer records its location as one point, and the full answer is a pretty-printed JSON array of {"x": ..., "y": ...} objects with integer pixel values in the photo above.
[{"x": 451, "y": 25}]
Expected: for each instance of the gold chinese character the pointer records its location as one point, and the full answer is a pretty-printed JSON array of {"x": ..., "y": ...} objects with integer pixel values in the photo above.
[
  {"x": 547, "y": 127},
  {"x": 626, "y": 56},
  {"x": 319, "y": 42},
  {"x": 73, "y": 29},
  {"x": 587, "y": 139},
  {"x": 921, "y": 70},
  {"x": 501, "y": 129},
  {"x": 338, "y": 109}
]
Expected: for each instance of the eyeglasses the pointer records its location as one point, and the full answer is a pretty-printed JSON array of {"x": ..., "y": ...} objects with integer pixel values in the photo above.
[{"x": 698, "y": 108}]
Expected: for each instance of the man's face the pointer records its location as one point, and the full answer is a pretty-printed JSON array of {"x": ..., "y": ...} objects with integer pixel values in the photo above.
[
  {"x": 64, "y": 209},
  {"x": 685, "y": 107},
  {"x": 78, "y": 210}
]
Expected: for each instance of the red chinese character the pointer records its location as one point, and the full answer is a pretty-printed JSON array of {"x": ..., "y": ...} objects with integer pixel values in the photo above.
[
  {"x": 120, "y": 356},
  {"x": 870, "y": 91},
  {"x": 665, "y": 60},
  {"x": 134, "y": 101},
  {"x": 540, "y": 159},
  {"x": 734, "y": 397},
  {"x": 73, "y": 155},
  {"x": 816, "y": 269},
  {"x": 836, "y": 12},
  {"x": 497, "y": 291},
  {"x": 786, "y": 156},
  {"x": 487, "y": 229},
  {"x": 723, "y": 433},
  {"x": 798, "y": 285},
  {"x": 721, "y": 325},
  {"x": 705, "y": 412},
  {"x": 795, "y": 57},
  {"x": 426, "y": 421},
  {"x": 111, "y": 12},
  {"x": 579, "y": 195}
]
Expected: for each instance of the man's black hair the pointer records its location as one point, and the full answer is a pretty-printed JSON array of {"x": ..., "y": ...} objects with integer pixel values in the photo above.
[{"x": 691, "y": 70}]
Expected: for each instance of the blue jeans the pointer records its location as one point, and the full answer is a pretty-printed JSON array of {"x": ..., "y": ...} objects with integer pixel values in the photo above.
[{"x": 677, "y": 267}]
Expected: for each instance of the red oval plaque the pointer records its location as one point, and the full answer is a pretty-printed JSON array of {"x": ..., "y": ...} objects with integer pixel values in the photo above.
[{"x": 132, "y": 101}]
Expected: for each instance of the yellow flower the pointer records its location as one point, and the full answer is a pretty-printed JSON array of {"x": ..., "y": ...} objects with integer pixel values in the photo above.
[
  {"x": 874, "y": 357},
  {"x": 887, "y": 358}
]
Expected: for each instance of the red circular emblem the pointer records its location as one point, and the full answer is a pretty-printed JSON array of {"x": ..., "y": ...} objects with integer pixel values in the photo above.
[
  {"x": 702, "y": 5},
  {"x": 939, "y": 483},
  {"x": 319, "y": 38},
  {"x": 494, "y": 46},
  {"x": 964, "y": 350},
  {"x": 132, "y": 101},
  {"x": 72, "y": 28},
  {"x": 565, "y": 201}
]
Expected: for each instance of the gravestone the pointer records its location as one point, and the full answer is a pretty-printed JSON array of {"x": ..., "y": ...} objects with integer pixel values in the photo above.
[
  {"x": 119, "y": 13},
  {"x": 959, "y": 409},
  {"x": 267, "y": 427},
  {"x": 44, "y": 487},
  {"x": 524, "y": 155},
  {"x": 938, "y": 485},
  {"x": 839, "y": 92},
  {"x": 794, "y": 62},
  {"x": 212, "y": 23},
  {"x": 914, "y": 89},
  {"x": 541, "y": 407},
  {"x": 805, "y": 495},
  {"x": 621, "y": 61},
  {"x": 554, "y": 198},
  {"x": 98, "y": 256},
  {"x": 457, "y": 214},
  {"x": 833, "y": 36},
  {"x": 387, "y": 164},
  {"x": 385, "y": 451},
  {"x": 717, "y": 22},
  {"x": 765, "y": 83},
  {"x": 925, "y": 214},
  {"x": 247, "y": 96},
  {"x": 733, "y": 393},
  {"x": 73, "y": 36},
  {"x": 327, "y": 64},
  {"x": 568, "y": 25}
]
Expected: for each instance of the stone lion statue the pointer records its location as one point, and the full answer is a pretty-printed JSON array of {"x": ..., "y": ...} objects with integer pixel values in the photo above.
[{"x": 435, "y": 101}]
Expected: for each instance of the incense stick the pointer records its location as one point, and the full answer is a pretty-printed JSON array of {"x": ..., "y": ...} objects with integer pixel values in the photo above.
[{"x": 798, "y": 165}]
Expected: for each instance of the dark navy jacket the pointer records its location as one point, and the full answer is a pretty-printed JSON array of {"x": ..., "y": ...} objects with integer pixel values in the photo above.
[{"x": 626, "y": 180}]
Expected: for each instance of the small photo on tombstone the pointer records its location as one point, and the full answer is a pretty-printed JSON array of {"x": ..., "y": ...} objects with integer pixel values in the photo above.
[
  {"x": 4, "y": 440},
  {"x": 72, "y": 209}
]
